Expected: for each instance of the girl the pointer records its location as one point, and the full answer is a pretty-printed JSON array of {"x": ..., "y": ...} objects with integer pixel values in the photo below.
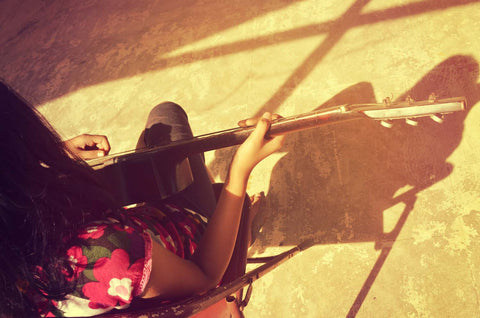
[{"x": 67, "y": 248}]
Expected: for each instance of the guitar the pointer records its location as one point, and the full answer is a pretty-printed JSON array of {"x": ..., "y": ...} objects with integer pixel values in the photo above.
[{"x": 140, "y": 175}]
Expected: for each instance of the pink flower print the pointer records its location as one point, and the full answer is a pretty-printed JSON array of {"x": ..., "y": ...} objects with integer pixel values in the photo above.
[
  {"x": 116, "y": 280},
  {"x": 124, "y": 228},
  {"x": 77, "y": 260},
  {"x": 93, "y": 232}
]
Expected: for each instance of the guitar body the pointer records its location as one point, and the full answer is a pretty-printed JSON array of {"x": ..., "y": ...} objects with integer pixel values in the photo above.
[{"x": 146, "y": 178}]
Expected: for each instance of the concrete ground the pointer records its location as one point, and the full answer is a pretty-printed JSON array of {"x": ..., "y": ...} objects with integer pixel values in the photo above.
[{"x": 395, "y": 212}]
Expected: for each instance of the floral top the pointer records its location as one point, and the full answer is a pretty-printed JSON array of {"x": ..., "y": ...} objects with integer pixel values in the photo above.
[{"x": 115, "y": 263}]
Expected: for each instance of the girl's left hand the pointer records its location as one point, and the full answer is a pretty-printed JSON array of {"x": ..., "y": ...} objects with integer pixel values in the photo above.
[
  {"x": 88, "y": 146},
  {"x": 256, "y": 147}
]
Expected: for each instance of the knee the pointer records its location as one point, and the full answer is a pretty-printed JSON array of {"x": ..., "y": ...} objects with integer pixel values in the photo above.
[{"x": 168, "y": 109}]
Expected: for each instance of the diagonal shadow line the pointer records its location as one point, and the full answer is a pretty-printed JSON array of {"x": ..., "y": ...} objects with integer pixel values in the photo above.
[
  {"x": 338, "y": 29},
  {"x": 310, "y": 31},
  {"x": 410, "y": 10},
  {"x": 388, "y": 241}
]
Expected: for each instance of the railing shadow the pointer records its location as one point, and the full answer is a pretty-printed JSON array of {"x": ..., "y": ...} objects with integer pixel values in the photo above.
[{"x": 69, "y": 46}]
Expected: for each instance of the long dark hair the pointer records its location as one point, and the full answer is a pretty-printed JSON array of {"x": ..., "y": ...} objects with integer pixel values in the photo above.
[{"x": 45, "y": 197}]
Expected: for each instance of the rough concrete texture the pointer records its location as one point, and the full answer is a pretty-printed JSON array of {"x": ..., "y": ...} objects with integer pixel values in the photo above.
[{"x": 395, "y": 212}]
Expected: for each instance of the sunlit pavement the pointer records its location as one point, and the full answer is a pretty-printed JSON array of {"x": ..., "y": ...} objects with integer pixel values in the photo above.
[{"x": 395, "y": 212}]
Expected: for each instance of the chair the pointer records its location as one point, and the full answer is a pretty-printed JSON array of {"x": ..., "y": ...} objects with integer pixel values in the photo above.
[{"x": 226, "y": 300}]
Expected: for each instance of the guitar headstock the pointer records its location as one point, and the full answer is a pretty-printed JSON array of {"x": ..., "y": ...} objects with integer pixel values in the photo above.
[{"x": 410, "y": 110}]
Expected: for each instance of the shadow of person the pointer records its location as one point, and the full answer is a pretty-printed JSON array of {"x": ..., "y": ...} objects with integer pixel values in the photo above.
[{"x": 335, "y": 183}]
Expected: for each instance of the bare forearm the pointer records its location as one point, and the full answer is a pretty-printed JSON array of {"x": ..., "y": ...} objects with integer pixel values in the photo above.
[{"x": 216, "y": 247}]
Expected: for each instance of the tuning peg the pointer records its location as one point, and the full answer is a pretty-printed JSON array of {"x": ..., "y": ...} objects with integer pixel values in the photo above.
[
  {"x": 432, "y": 98},
  {"x": 409, "y": 100},
  {"x": 387, "y": 101},
  {"x": 437, "y": 118},
  {"x": 386, "y": 123},
  {"x": 411, "y": 122}
]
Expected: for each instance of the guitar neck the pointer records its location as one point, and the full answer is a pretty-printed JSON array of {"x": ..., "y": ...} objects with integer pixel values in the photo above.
[
  {"x": 232, "y": 137},
  {"x": 235, "y": 136}
]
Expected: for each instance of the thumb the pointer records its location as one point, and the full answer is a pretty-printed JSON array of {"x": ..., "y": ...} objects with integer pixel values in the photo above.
[
  {"x": 91, "y": 154},
  {"x": 262, "y": 127}
]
